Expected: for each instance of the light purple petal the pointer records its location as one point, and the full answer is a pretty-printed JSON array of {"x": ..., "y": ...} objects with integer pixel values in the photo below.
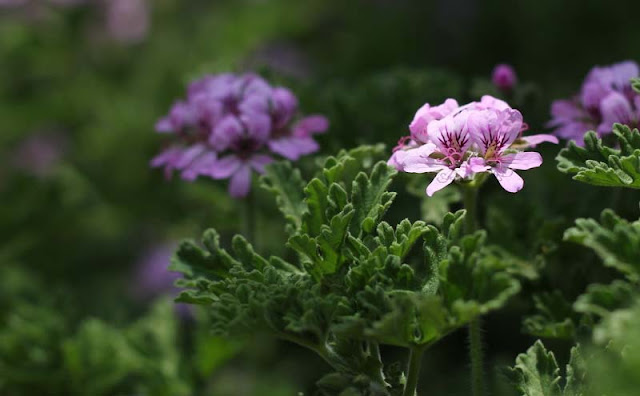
[
  {"x": 442, "y": 179},
  {"x": 200, "y": 166},
  {"x": 240, "y": 182},
  {"x": 188, "y": 155},
  {"x": 258, "y": 126},
  {"x": 164, "y": 125},
  {"x": 227, "y": 131},
  {"x": 284, "y": 106},
  {"x": 259, "y": 161},
  {"x": 225, "y": 167},
  {"x": 522, "y": 161},
  {"x": 293, "y": 147},
  {"x": 508, "y": 179},
  {"x": 615, "y": 108},
  {"x": 310, "y": 125}
]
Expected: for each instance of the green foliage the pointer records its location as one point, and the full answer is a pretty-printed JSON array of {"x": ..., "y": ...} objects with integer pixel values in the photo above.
[
  {"x": 635, "y": 83},
  {"x": 555, "y": 317},
  {"x": 102, "y": 360},
  {"x": 613, "y": 370},
  {"x": 615, "y": 240},
  {"x": 357, "y": 282},
  {"x": 600, "y": 165},
  {"x": 536, "y": 373}
]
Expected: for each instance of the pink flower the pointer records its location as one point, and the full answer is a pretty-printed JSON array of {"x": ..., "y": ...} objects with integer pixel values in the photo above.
[
  {"x": 426, "y": 114},
  {"x": 494, "y": 132},
  {"x": 484, "y": 136},
  {"x": 504, "y": 77}
]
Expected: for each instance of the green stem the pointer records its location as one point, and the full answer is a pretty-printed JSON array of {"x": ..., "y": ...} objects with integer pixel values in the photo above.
[
  {"x": 470, "y": 198},
  {"x": 413, "y": 371},
  {"x": 470, "y": 202},
  {"x": 475, "y": 349},
  {"x": 250, "y": 218}
]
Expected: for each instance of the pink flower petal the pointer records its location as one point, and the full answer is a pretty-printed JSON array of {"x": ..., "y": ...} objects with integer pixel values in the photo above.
[
  {"x": 417, "y": 160},
  {"x": 478, "y": 165},
  {"x": 508, "y": 179},
  {"x": 534, "y": 140},
  {"x": 442, "y": 179},
  {"x": 522, "y": 161}
]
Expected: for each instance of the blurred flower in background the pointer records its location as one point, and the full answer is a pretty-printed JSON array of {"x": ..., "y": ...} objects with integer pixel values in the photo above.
[
  {"x": 152, "y": 278},
  {"x": 127, "y": 21},
  {"x": 504, "y": 77},
  {"x": 231, "y": 125},
  {"x": 605, "y": 98},
  {"x": 39, "y": 153}
]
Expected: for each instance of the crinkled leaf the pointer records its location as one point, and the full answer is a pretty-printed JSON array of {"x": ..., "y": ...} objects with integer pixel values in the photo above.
[
  {"x": 601, "y": 300},
  {"x": 615, "y": 240},
  {"x": 370, "y": 198},
  {"x": 536, "y": 372},
  {"x": 600, "y": 165},
  {"x": 555, "y": 317},
  {"x": 287, "y": 185}
]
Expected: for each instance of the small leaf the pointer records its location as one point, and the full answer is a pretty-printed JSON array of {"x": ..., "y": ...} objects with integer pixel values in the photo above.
[{"x": 287, "y": 185}]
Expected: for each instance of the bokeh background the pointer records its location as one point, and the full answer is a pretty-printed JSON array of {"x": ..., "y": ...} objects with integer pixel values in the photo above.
[{"x": 87, "y": 228}]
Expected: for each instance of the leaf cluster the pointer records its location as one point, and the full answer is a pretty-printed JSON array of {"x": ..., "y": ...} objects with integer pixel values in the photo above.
[
  {"x": 355, "y": 281},
  {"x": 600, "y": 165}
]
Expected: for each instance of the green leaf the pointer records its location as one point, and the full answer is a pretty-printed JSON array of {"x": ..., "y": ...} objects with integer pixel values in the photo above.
[
  {"x": 603, "y": 166},
  {"x": 615, "y": 240},
  {"x": 555, "y": 317},
  {"x": 287, "y": 185},
  {"x": 370, "y": 198},
  {"x": 601, "y": 300},
  {"x": 635, "y": 83},
  {"x": 536, "y": 372}
]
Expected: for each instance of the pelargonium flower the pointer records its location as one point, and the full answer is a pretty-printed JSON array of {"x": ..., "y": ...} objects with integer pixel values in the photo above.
[
  {"x": 504, "y": 77},
  {"x": 605, "y": 98},
  {"x": 231, "y": 125},
  {"x": 460, "y": 142}
]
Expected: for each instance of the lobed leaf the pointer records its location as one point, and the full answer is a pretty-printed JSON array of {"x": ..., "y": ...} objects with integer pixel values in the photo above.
[
  {"x": 600, "y": 165},
  {"x": 615, "y": 240}
]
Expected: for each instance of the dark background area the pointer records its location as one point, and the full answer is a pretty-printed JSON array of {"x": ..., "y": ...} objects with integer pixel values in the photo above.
[{"x": 81, "y": 212}]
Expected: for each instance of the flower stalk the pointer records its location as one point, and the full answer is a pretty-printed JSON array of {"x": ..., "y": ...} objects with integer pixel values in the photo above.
[
  {"x": 413, "y": 371},
  {"x": 470, "y": 202}
]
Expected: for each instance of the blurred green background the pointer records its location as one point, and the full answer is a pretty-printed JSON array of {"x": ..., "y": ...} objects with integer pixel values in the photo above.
[{"x": 82, "y": 216}]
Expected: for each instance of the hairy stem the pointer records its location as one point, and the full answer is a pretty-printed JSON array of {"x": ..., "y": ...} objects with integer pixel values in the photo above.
[
  {"x": 475, "y": 349},
  {"x": 470, "y": 202},
  {"x": 470, "y": 198},
  {"x": 250, "y": 218},
  {"x": 413, "y": 371}
]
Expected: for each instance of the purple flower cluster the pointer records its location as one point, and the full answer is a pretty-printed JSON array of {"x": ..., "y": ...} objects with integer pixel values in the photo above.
[
  {"x": 605, "y": 98},
  {"x": 458, "y": 142},
  {"x": 230, "y": 125}
]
